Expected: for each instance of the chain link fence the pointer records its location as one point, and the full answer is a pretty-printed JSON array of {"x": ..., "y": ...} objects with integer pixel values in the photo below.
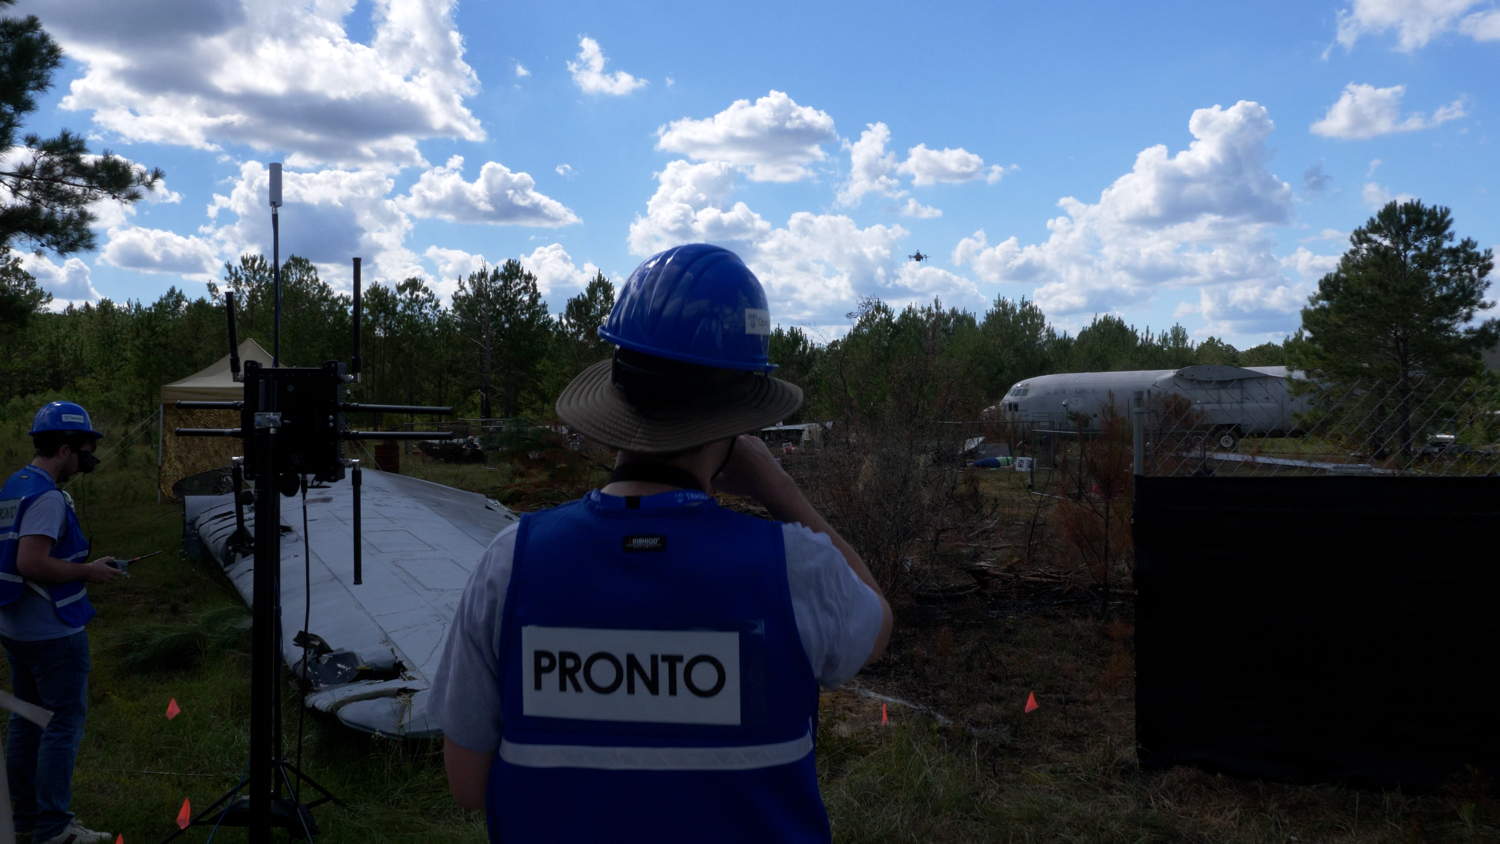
[{"x": 1419, "y": 426}]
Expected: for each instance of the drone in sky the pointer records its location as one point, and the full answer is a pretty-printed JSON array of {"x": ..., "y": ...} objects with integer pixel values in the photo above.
[{"x": 917, "y": 256}]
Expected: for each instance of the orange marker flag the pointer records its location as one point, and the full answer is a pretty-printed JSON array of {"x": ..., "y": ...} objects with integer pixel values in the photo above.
[
  {"x": 1031, "y": 704},
  {"x": 885, "y": 719},
  {"x": 173, "y": 710},
  {"x": 185, "y": 815}
]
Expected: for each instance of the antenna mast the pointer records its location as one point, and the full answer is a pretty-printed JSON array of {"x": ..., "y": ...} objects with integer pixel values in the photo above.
[
  {"x": 276, "y": 260},
  {"x": 292, "y": 422}
]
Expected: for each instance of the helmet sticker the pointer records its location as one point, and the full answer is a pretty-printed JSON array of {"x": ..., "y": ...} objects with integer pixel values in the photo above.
[
  {"x": 757, "y": 321},
  {"x": 74, "y": 417}
]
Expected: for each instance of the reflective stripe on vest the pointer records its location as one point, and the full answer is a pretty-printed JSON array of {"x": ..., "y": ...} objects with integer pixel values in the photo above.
[
  {"x": 656, "y": 758},
  {"x": 75, "y": 597}
]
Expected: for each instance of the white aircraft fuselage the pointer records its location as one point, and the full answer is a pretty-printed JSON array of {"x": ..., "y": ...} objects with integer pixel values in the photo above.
[{"x": 1250, "y": 400}]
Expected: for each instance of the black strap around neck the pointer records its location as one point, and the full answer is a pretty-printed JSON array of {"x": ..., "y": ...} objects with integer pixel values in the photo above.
[{"x": 656, "y": 473}]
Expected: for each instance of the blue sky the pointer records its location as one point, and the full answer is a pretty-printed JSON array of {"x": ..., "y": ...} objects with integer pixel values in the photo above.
[{"x": 1200, "y": 163}]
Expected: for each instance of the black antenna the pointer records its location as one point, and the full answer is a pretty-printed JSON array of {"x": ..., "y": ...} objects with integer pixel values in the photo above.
[
  {"x": 241, "y": 540},
  {"x": 354, "y": 359},
  {"x": 234, "y": 339},
  {"x": 354, "y": 480},
  {"x": 276, "y": 260}
]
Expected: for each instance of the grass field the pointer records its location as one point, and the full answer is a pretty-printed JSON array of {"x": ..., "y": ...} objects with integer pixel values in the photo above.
[{"x": 970, "y": 765}]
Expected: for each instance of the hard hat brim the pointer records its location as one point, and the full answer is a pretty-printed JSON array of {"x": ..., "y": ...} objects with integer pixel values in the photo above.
[{"x": 596, "y": 408}]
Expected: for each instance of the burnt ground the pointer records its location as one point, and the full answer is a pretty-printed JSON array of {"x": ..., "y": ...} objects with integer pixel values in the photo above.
[
  {"x": 982, "y": 623},
  {"x": 988, "y": 624}
]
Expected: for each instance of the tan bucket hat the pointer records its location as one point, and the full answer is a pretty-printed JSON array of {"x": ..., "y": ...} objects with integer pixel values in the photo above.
[{"x": 595, "y": 406}]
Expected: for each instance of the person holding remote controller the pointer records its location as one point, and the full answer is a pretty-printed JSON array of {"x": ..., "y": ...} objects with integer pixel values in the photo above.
[{"x": 44, "y": 606}]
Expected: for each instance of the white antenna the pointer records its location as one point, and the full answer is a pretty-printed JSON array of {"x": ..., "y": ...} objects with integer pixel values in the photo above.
[{"x": 275, "y": 184}]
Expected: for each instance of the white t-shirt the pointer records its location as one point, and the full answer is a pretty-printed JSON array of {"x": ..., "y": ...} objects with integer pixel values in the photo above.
[{"x": 838, "y": 618}]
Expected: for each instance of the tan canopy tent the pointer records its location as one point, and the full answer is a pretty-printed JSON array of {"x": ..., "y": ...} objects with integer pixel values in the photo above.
[{"x": 184, "y": 456}]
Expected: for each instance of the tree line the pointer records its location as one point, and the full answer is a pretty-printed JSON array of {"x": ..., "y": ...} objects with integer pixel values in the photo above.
[{"x": 495, "y": 350}]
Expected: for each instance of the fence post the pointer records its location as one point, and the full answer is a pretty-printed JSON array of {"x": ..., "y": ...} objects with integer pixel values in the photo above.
[{"x": 1138, "y": 434}]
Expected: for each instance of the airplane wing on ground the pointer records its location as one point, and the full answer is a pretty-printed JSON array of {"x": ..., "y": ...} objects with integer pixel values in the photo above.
[{"x": 378, "y": 643}]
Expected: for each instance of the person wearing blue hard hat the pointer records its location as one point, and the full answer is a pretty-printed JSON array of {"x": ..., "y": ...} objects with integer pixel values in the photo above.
[
  {"x": 43, "y": 609},
  {"x": 642, "y": 664}
]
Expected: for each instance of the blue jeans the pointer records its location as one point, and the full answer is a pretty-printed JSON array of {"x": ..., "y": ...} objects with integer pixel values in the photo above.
[{"x": 53, "y": 674}]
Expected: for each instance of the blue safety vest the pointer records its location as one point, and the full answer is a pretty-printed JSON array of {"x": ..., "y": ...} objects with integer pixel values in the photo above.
[
  {"x": 70, "y": 600},
  {"x": 653, "y": 683}
]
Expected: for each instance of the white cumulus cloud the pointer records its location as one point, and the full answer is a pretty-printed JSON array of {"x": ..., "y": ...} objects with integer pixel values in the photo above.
[
  {"x": 329, "y": 216},
  {"x": 820, "y": 265},
  {"x": 452, "y": 265},
  {"x": 774, "y": 138},
  {"x": 874, "y": 169},
  {"x": 70, "y": 282},
  {"x": 1224, "y": 173},
  {"x": 1482, "y": 26},
  {"x": 1306, "y": 265},
  {"x": 1199, "y": 217},
  {"x": 588, "y": 72},
  {"x": 1416, "y": 22},
  {"x": 521, "y": 71},
  {"x": 870, "y": 166},
  {"x": 498, "y": 196},
  {"x": 555, "y": 271},
  {"x": 271, "y": 74},
  {"x": 160, "y": 251},
  {"x": 815, "y": 268},
  {"x": 913, "y": 208},
  {"x": 690, "y": 205},
  {"x": 1364, "y": 111},
  {"x": 930, "y": 166},
  {"x": 1251, "y": 308}
]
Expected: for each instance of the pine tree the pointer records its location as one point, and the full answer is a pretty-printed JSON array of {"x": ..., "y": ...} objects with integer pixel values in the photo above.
[
  {"x": 20, "y": 296},
  {"x": 500, "y": 310},
  {"x": 1398, "y": 312},
  {"x": 49, "y": 182}
]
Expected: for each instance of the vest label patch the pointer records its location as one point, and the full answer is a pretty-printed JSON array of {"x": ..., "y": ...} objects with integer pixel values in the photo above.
[
  {"x": 646, "y": 543},
  {"x": 8, "y": 511},
  {"x": 662, "y": 676}
]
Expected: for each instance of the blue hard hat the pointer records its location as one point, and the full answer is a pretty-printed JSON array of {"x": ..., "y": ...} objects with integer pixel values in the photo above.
[
  {"x": 63, "y": 416},
  {"x": 697, "y": 304}
]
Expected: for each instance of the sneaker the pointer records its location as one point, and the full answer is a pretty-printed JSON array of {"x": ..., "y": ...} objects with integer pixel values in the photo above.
[{"x": 77, "y": 833}]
